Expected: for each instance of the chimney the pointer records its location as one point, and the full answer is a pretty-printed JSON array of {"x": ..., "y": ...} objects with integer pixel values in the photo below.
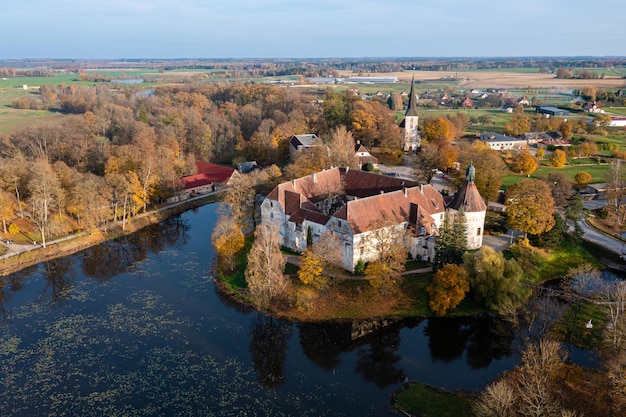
[
  {"x": 404, "y": 191},
  {"x": 313, "y": 176}
]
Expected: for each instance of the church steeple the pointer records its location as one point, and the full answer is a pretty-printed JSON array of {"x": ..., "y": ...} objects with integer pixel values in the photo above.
[
  {"x": 411, "y": 109},
  {"x": 410, "y": 122}
]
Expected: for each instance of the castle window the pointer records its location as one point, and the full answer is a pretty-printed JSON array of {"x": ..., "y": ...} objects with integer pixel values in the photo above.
[
  {"x": 478, "y": 232},
  {"x": 298, "y": 227}
]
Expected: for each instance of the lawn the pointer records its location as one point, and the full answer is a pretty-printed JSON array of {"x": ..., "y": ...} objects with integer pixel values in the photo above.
[
  {"x": 424, "y": 400},
  {"x": 541, "y": 266},
  {"x": 597, "y": 173}
]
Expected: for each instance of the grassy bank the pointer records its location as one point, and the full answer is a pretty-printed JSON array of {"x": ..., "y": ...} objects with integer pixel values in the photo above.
[{"x": 423, "y": 400}]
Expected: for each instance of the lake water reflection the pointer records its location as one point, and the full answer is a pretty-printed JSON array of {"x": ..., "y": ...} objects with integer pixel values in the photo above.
[{"x": 135, "y": 327}]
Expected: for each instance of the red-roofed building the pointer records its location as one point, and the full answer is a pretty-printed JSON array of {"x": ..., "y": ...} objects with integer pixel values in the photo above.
[
  {"x": 352, "y": 205},
  {"x": 208, "y": 178}
]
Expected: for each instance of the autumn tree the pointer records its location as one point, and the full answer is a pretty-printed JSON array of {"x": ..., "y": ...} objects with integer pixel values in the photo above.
[
  {"x": 45, "y": 194},
  {"x": 320, "y": 260},
  {"x": 427, "y": 161},
  {"x": 227, "y": 239},
  {"x": 449, "y": 286},
  {"x": 266, "y": 265},
  {"x": 524, "y": 163},
  {"x": 241, "y": 199},
  {"x": 530, "y": 206},
  {"x": 311, "y": 269},
  {"x": 540, "y": 153},
  {"x": 337, "y": 108},
  {"x": 307, "y": 161},
  {"x": 490, "y": 168},
  {"x": 552, "y": 238},
  {"x": 7, "y": 208},
  {"x": 582, "y": 178},
  {"x": 613, "y": 301},
  {"x": 559, "y": 158},
  {"x": 494, "y": 281},
  {"x": 390, "y": 254},
  {"x": 341, "y": 148},
  {"x": 498, "y": 400},
  {"x": 615, "y": 179},
  {"x": 438, "y": 131},
  {"x": 561, "y": 187},
  {"x": 519, "y": 124}
]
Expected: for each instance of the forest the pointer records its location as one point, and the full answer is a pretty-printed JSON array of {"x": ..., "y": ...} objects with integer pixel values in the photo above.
[{"x": 121, "y": 149}]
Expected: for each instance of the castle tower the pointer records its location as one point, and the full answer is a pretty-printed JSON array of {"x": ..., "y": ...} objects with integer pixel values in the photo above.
[
  {"x": 469, "y": 200},
  {"x": 409, "y": 123}
]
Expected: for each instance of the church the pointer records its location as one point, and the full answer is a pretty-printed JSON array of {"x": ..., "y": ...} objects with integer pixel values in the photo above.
[
  {"x": 352, "y": 204},
  {"x": 412, "y": 139}
]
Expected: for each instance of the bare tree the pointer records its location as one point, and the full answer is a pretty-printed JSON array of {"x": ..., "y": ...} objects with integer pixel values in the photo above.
[
  {"x": 498, "y": 400},
  {"x": 615, "y": 179},
  {"x": 266, "y": 265},
  {"x": 541, "y": 362},
  {"x": 45, "y": 192},
  {"x": 341, "y": 148}
]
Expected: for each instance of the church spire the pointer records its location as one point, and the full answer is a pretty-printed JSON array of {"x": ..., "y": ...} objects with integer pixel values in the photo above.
[{"x": 411, "y": 109}]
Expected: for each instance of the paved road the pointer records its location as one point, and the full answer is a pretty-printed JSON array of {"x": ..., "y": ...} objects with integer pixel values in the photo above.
[{"x": 603, "y": 240}]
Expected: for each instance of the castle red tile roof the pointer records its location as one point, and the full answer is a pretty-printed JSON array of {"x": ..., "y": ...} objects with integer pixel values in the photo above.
[{"x": 371, "y": 199}]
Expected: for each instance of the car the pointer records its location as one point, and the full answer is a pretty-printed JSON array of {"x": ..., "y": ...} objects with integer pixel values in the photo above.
[{"x": 392, "y": 174}]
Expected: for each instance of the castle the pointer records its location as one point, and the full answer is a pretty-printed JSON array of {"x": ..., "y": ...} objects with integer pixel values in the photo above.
[{"x": 352, "y": 204}]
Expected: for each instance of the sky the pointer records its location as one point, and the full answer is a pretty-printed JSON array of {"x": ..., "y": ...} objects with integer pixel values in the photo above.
[{"x": 110, "y": 29}]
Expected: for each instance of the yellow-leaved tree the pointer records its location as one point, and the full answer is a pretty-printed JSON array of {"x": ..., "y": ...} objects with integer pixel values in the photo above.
[
  {"x": 311, "y": 269},
  {"x": 318, "y": 260},
  {"x": 449, "y": 286},
  {"x": 228, "y": 240},
  {"x": 530, "y": 206},
  {"x": 524, "y": 163},
  {"x": 559, "y": 158}
]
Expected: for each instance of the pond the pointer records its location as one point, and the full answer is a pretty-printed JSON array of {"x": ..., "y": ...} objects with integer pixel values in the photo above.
[
  {"x": 128, "y": 80},
  {"x": 135, "y": 327}
]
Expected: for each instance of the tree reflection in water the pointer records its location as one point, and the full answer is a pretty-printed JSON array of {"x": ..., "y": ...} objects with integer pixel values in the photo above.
[
  {"x": 323, "y": 343},
  {"x": 59, "y": 275},
  {"x": 483, "y": 340},
  {"x": 111, "y": 258},
  {"x": 101, "y": 262},
  {"x": 268, "y": 346},
  {"x": 377, "y": 360}
]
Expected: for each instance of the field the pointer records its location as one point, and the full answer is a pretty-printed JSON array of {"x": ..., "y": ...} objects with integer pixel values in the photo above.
[{"x": 501, "y": 79}]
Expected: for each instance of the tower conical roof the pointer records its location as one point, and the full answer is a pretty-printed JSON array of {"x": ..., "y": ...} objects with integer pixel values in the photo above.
[
  {"x": 412, "y": 107},
  {"x": 468, "y": 198}
]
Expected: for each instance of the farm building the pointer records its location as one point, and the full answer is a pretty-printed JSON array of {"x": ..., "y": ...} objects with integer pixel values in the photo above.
[
  {"x": 617, "y": 121},
  {"x": 551, "y": 111},
  {"x": 501, "y": 142}
]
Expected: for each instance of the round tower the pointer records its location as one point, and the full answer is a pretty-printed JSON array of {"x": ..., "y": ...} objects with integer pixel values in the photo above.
[{"x": 468, "y": 200}]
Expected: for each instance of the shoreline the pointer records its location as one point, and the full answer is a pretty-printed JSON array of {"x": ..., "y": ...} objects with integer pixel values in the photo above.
[{"x": 54, "y": 250}]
